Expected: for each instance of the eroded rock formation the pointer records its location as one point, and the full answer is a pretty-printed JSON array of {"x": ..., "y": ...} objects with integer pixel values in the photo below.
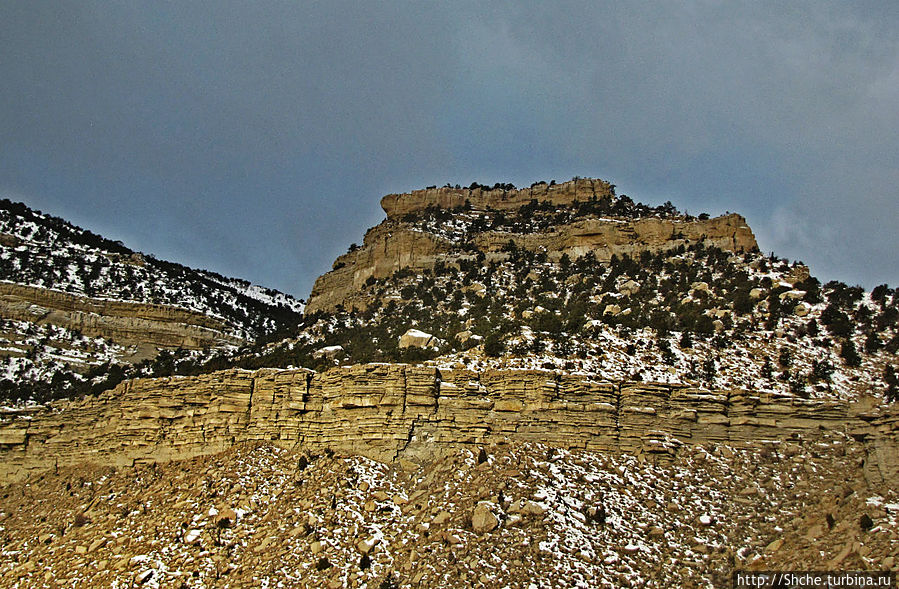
[
  {"x": 582, "y": 189},
  {"x": 122, "y": 322},
  {"x": 396, "y": 244},
  {"x": 390, "y": 412}
]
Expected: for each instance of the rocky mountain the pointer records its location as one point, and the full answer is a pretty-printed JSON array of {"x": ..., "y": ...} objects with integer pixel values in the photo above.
[
  {"x": 73, "y": 304},
  {"x": 572, "y": 219},
  {"x": 589, "y": 282},
  {"x": 539, "y": 387},
  {"x": 408, "y": 476}
]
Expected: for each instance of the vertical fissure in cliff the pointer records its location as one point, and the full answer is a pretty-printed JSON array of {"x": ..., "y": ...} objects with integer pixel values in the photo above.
[{"x": 618, "y": 412}]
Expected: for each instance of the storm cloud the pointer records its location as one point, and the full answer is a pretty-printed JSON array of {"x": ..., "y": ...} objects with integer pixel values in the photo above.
[{"x": 255, "y": 139}]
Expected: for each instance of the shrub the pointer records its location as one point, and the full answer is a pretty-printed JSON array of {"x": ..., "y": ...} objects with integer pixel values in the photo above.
[
  {"x": 849, "y": 354},
  {"x": 892, "y": 382},
  {"x": 837, "y": 322},
  {"x": 872, "y": 343},
  {"x": 821, "y": 370},
  {"x": 785, "y": 357},
  {"x": 494, "y": 346}
]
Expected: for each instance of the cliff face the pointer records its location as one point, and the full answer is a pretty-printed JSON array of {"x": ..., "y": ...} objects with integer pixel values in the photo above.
[
  {"x": 389, "y": 412},
  {"x": 606, "y": 238},
  {"x": 397, "y": 243},
  {"x": 584, "y": 189},
  {"x": 386, "y": 249},
  {"x": 125, "y": 323}
]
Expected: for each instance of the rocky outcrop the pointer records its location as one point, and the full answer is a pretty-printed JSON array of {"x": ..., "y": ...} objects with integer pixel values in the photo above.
[
  {"x": 583, "y": 189},
  {"x": 394, "y": 244},
  {"x": 414, "y": 338},
  {"x": 388, "y": 412},
  {"x": 390, "y": 247},
  {"x": 606, "y": 237},
  {"x": 386, "y": 249},
  {"x": 124, "y": 323}
]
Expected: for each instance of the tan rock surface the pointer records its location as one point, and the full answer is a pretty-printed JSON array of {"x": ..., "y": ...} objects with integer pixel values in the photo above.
[
  {"x": 391, "y": 412},
  {"x": 398, "y": 205},
  {"x": 124, "y": 323},
  {"x": 394, "y": 245}
]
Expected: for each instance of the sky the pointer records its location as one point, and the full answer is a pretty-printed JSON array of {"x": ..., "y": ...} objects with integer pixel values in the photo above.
[{"x": 255, "y": 139}]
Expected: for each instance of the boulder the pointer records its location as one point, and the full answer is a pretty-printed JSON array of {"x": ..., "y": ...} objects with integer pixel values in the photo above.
[
  {"x": 463, "y": 336},
  {"x": 441, "y": 518},
  {"x": 630, "y": 287},
  {"x": 366, "y": 545},
  {"x": 483, "y": 520},
  {"x": 774, "y": 546},
  {"x": 328, "y": 352},
  {"x": 414, "y": 338},
  {"x": 793, "y": 295},
  {"x": 532, "y": 508}
]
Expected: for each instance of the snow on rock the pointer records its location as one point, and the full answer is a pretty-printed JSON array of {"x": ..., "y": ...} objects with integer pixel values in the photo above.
[{"x": 414, "y": 338}]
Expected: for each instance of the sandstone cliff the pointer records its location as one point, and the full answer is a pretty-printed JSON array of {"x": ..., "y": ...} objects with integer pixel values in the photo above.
[
  {"x": 388, "y": 412},
  {"x": 386, "y": 249},
  {"x": 582, "y": 189},
  {"x": 606, "y": 238},
  {"x": 125, "y": 323},
  {"x": 397, "y": 243}
]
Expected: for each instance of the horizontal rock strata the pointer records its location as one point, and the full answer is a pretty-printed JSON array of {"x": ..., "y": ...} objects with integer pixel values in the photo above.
[
  {"x": 396, "y": 244},
  {"x": 389, "y": 412},
  {"x": 125, "y": 323},
  {"x": 582, "y": 189}
]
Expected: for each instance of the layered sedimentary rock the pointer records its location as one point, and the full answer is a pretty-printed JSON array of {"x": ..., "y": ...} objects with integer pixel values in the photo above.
[
  {"x": 583, "y": 189},
  {"x": 122, "y": 322},
  {"x": 388, "y": 412},
  {"x": 394, "y": 244},
  {"x": 605, "y": 238},
  {"x": 386, "y": 249}
]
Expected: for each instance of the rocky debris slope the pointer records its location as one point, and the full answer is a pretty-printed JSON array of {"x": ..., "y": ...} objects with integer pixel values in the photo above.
[
  {"x": 390, "y": 412},
  {"x": 508, "y": 515}
]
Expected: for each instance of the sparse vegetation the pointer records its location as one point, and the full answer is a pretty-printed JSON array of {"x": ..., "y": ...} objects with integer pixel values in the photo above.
[{"x": 692, "y": 312}]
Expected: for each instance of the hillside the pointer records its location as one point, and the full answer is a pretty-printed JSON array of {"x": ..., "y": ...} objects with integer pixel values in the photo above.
[
  {"x": 517, "y": 516},
  {"x": 600, "y": 286},
  {"x": 554, "y": 386},
  {"x": 76, "y": 306},
  {"x": 583, "y": 280}
]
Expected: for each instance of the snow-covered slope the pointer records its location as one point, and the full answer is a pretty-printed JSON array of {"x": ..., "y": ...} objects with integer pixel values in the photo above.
[
  {"x": 50, "y": 340},
  {"x": 45, "y": 251}
]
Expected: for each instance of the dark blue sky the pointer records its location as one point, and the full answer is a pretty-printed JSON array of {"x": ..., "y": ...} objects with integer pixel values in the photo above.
[{"x": 255, "y": 139}]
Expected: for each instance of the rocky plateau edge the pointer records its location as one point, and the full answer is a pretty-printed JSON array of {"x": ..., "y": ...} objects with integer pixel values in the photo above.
[{"x": 390, "y": 412}]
